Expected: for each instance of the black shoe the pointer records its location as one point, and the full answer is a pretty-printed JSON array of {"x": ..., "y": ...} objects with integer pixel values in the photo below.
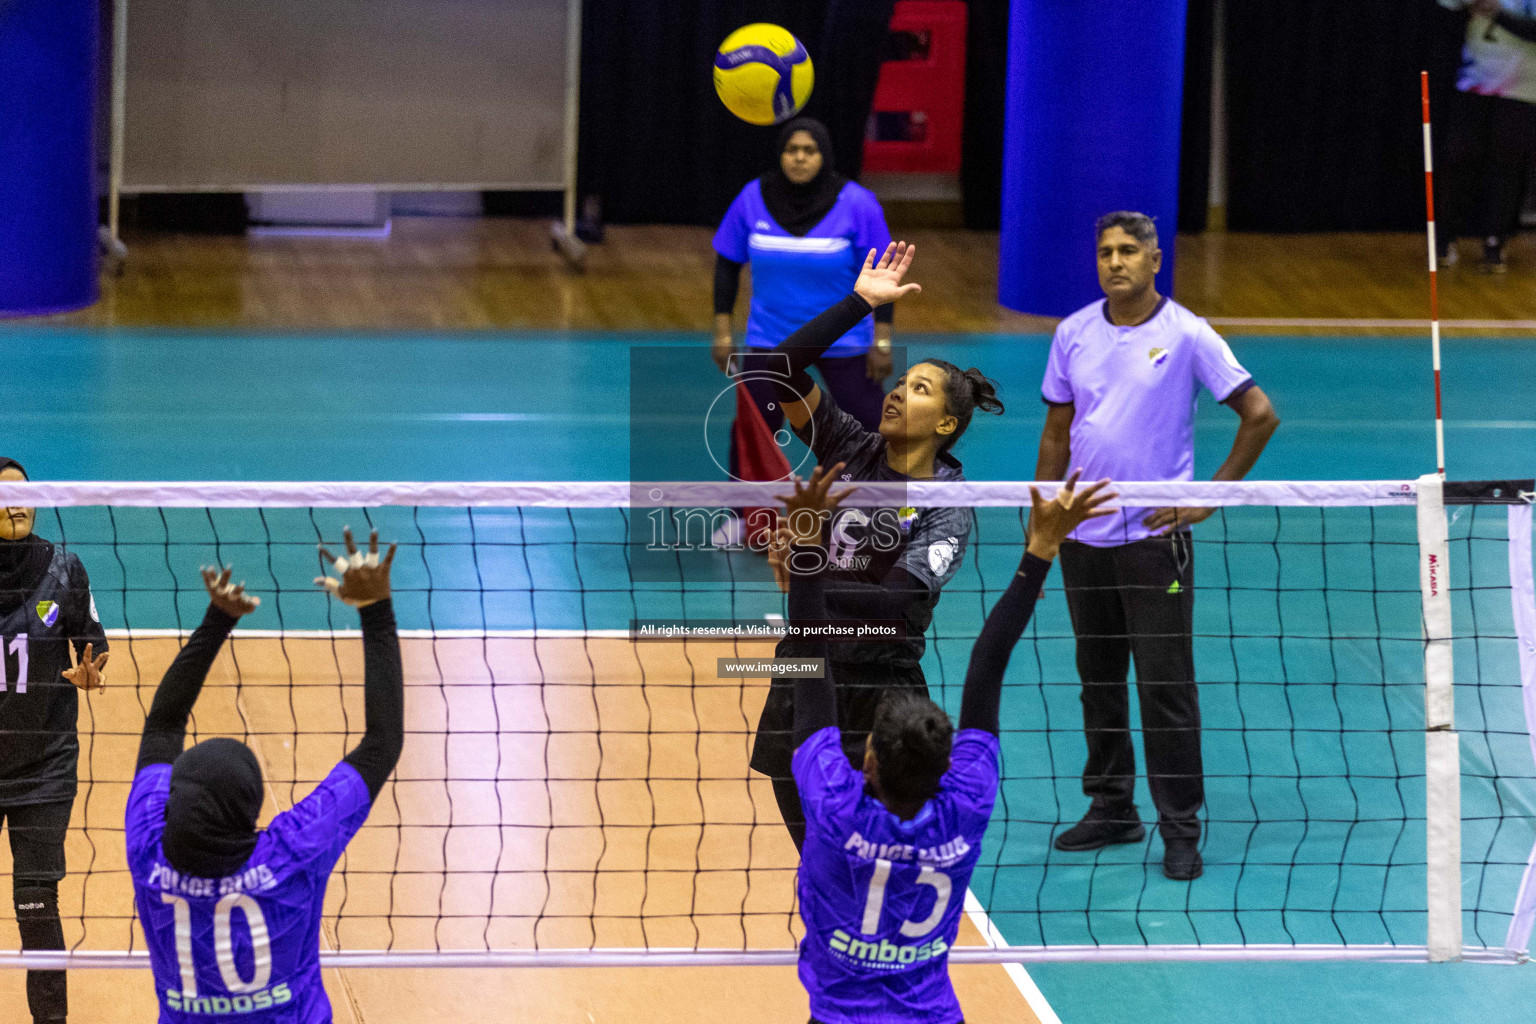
[
  {"x": 1493, "y": 257},
  {"x": 1102, "y": 828},
  {"x": 1181, "y": 860}
]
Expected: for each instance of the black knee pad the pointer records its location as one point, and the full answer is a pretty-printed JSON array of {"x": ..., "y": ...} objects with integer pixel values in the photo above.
[{"x": 36, "y": 901}]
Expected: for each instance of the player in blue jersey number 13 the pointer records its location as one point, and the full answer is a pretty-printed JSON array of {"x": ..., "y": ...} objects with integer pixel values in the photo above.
[
  {"x": 231, "y": 914},
  {"x": 889, "y": 852}
]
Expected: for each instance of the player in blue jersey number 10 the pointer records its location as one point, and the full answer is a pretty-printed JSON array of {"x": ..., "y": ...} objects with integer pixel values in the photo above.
[
  {"x": 231, "y": 914},
  {"x": 889, "y": 852}
]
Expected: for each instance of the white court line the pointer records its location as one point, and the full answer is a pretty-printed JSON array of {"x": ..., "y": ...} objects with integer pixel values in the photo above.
[
  {"x": 1020, "y": 977},
  {"x": 1366, "y": 323}
]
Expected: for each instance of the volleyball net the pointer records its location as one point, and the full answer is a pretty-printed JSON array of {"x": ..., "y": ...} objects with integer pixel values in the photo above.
[{"x": 575, "y": 787}]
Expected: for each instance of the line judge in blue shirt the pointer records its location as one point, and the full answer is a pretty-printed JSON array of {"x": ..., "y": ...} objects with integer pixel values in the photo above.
[
  {"x": 1121, "y": 383},
  {"x": 805, "y": 230}
]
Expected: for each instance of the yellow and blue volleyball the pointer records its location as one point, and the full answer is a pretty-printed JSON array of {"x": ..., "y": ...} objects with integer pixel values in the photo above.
[{"x": 762, "y": 74}]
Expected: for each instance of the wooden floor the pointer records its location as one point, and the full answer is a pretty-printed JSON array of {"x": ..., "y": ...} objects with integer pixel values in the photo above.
[
  {"x": 501, "y": 273},
  {"x": 558, "y": 793}
]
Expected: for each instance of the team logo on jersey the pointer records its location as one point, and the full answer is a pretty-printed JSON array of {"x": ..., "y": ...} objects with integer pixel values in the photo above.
[
  {"x": 885, "y": 954},
  {"x": 48, "y": 611},
  {"x": 940, "y": 555},
  {"x": 906, "y": 517},
  {"x": 1157, "y": 355},
  {"x": 94, "y": 616}
]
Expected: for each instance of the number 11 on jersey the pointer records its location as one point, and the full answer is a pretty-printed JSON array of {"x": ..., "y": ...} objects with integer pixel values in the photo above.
[{"x": 18, "y": 647}]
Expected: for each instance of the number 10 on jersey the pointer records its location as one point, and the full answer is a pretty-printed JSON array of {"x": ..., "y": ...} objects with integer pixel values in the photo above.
[{"x": 244, "y": 995}]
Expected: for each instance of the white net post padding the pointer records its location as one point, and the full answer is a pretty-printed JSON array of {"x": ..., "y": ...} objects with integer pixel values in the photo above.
[
  {"x": 1523, "y": 599},
  {"x": 1442, "y": 752}
]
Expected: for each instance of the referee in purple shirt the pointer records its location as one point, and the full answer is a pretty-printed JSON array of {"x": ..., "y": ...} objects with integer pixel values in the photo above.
[{"x": 1121, "y": 384}]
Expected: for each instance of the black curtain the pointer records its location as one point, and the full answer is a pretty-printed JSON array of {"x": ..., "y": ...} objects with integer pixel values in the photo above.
[
  {"x": 656, "y": 143},
  {"x": 1323, "y": 110},
  {"x": 658, "y": 146},
  {"x": 853, "y": 41},
  {"x": 1195, "y": 132},
  {"x": 986, "y": 84}
]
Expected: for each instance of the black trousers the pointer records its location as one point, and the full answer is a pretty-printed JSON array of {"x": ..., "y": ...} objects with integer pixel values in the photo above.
[
  {"x": 1124, "y": 604},
  {"x": 859, "y": 687},
  {"x": 37, "y": 834},
  {"x": 1489, "y": 144},
  {"x": 853, "y": 45}
]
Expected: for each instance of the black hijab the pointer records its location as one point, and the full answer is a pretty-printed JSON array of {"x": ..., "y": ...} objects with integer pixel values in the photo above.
[
  {"x": 799, "y": 208},
  {"x": 23, "y": 563},
  {"x": 210, "y": 816}
]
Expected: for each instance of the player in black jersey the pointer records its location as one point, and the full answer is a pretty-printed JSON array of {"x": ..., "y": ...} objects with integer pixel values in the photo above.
[
  {"x": 45, "y": 608},
  {"x": 886, "y": 564}
]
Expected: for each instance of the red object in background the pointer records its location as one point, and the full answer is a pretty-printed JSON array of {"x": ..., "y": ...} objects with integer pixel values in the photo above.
[
  {"x": 921, "y": 100},
  {"x": 758, "y": 458}
]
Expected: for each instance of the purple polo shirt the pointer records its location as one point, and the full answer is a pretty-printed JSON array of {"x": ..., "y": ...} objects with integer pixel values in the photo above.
[{"x": 1134, "y": 390}]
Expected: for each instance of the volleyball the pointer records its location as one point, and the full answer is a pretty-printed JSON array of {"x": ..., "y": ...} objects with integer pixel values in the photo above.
[{"x": 762, "y": 74}]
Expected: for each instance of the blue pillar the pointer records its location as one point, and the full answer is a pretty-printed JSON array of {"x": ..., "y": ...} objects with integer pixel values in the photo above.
[
  {"x": 1092, "y": 125},
  {"x": 47, "y": 155}
]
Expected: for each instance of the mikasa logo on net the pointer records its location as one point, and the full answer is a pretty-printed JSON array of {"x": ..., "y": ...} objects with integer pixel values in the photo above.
[{"x": 1434, "y": 575}]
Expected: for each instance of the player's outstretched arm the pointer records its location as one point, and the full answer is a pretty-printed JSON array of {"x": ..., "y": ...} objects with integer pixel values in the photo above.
[
  {"x": 804, "y": 512},
  {"x": 1050, "y": 523},
  {"x": 880, "y": 282},
  {"x": 364, "y": 584},
  {"x": 165, "y": 730}
]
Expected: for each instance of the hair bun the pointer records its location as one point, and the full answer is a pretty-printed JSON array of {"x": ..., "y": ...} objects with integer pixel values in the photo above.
[{"x": 983, "y": 391}]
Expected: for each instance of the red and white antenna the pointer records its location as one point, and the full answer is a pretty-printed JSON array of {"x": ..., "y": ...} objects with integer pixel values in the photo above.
[{"x": 1434, "y": 284}]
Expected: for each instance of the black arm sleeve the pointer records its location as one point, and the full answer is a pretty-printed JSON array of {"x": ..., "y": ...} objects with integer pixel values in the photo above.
[
  {"x": 815, "y": 699},
  {"x": 989, "y": 658},
  {"x": 165, "y": 730},
  {"x": 376, "y": 754},
  {"x": 1517, "y": 24},
  {"x": 808, "y": 344},
  {"x": 885, "y": 314},
  {"x": 889, "y": 599},
  {"x": 727, "y": 284}
]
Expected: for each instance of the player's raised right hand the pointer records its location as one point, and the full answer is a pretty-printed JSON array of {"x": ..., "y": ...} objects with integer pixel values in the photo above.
[
  {"x": 880, "y": 280},
  {"x": 1051, "y": 521},
  {"x": 229, "y": 598},
  {"x": 364, "y": 576}
]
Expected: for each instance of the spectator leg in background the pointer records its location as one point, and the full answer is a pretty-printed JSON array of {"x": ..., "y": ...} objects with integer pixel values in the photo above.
[
  {"x": 1511, "y": 137},
  {"x": 1458, "y": 191}
]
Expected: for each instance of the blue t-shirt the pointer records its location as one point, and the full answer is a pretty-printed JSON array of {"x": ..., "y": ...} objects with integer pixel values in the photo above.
[
  {"x": 881, "y": 898},
  {"x": 245, "y": 947},
  {"x": 793, "y": 278}
]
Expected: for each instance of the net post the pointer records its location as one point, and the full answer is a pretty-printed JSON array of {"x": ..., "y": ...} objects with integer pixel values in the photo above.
[
  {"x": 1442, "y": 753},
  {"x": 1522, "y": 587}
]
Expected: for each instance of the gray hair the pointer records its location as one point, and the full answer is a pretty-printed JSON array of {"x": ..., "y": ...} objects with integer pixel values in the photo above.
[{"x": 1138, "y": 225}]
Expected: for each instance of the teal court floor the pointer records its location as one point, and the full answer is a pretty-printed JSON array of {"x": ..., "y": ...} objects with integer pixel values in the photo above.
[{"x": 1297, "y": 854}]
